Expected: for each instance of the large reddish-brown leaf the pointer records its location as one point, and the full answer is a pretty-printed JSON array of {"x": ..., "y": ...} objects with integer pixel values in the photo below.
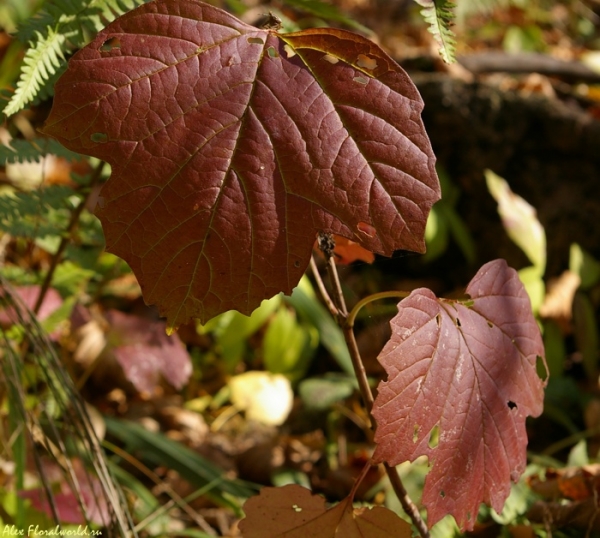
[
  {"x": 294, "y": 512},
  {"x": 465, "y": 371},
  {"x": 232, "y": 146}
]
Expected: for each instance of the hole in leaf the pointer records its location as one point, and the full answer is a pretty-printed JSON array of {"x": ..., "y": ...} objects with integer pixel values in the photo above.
[
  {"x": 367, "y": 229},
  {"x": 110, "y": 44},
  {"x": 296, "y": 264},
  {"x": 415, "y": 433},
  {"x": 438, "y": 319},
  {"x": 296, "y": 508},
  {"x": 442, "y": 493},
  {"x": 255, "y": 41},
  {"x": 289, "y": 51},
  {"x": 366, "y": 62},
  {"x": 361, "y": 80},
  {"x": 490, "y": 324},
  {"x": 331, "y": 59},
  {"x": 272, "y": 52},
  {"x": 99, "y": 138},
  {"x": 458, "y": 324},
  {"x": 512, "y": 405},
  {"x": 434, "y": 437}
]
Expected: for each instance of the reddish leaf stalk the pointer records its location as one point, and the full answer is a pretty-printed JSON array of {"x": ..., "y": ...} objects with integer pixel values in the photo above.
[
  {"x": 73, "y": 222},
  {"x": 346, "y": 321}
]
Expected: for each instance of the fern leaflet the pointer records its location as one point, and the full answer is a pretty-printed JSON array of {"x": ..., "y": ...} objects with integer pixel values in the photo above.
[
  {"x": 40, "y": 62},
  {"x": 61, "y": 28},
  {"x": 38, "y": 213},
  {"x": 439, "y": 15},
  {"x": 20, "y": 151}
]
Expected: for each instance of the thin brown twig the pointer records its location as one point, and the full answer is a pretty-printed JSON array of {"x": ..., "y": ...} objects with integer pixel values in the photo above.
[
  {"x": 407, "y": 504},
  {"x": 337, "y": 289},
  {"x": 347, "y": 325},
  {"x": 73, "y": 222},
  {"x": 322, "y": 289}
]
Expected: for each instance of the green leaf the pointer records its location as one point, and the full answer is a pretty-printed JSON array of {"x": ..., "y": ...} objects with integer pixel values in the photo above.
[
  {"x": 521, "y": 496},
  {"x": 445, "y": 222},
  {"x": 436, "y": 233},
  {"x": 289, "y": 346},
  {"x": 584, "y": 265},
  {"x": 461, "y": 234},
  {"x": 307, "y": 305},
  {"x": 578, "y": 456},
  {"x": 232, "y": 329},
  {"x": 69, "y": 278},
  {"x": 534, "y": 285},
  {"x": 586, "y": 333},
  {"x": 556, "y": 353},
  {"x": 320, "y": 393},
  {"x": 439, "y": 15},
  {"x": 519, "y": 220}
]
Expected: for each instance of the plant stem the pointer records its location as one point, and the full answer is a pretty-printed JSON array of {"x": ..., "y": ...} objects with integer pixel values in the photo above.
[
  {"x": 73, "y": 222},
  {"x": 407, "y": 504},
  {"x": 322, "y": 289},
  {"x": 346, "y": 322},
  {"x": 372, "y": 298},
  {"x": 337, "y": 289}
]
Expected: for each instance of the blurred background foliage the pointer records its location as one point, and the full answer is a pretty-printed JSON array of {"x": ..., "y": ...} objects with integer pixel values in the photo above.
[{"x": 106, "y": 422}]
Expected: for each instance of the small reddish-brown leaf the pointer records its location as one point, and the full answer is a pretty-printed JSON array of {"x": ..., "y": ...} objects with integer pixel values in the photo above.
[
  {"x": 461, "y": 381},
  {"x": 573, "y": 483},
  {"x": 66, "y": 501},
  {"x": 145, "y": 352},
  {"x": 294, "y": 512},
  {"x": 347, "y": 251},
  {"x": 231, "y": 147},
  {"x": 29, "y": 295}
]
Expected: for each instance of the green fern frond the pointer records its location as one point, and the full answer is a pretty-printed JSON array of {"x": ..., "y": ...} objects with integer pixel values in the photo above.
[
  {"x": 439, "y": 15},
  {"x": 39, "y": 213},
  {"x": 40, "y": 62},
  {"x": 327, "y": 11},
  {"x": 61, "y": 28},
  {"x": 20, "y": 151},
  {"x": 76, "y": 17}
]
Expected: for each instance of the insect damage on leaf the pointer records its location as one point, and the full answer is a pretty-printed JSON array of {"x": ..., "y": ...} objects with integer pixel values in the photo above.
[
  {"x": 231, "y": 147},
  {"x": 461, "y": 380}
]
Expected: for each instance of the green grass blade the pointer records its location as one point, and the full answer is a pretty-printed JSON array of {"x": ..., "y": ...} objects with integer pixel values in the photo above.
[
  {"x": 157, "y": 449},
  {"x": 307, "y": 305}
]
